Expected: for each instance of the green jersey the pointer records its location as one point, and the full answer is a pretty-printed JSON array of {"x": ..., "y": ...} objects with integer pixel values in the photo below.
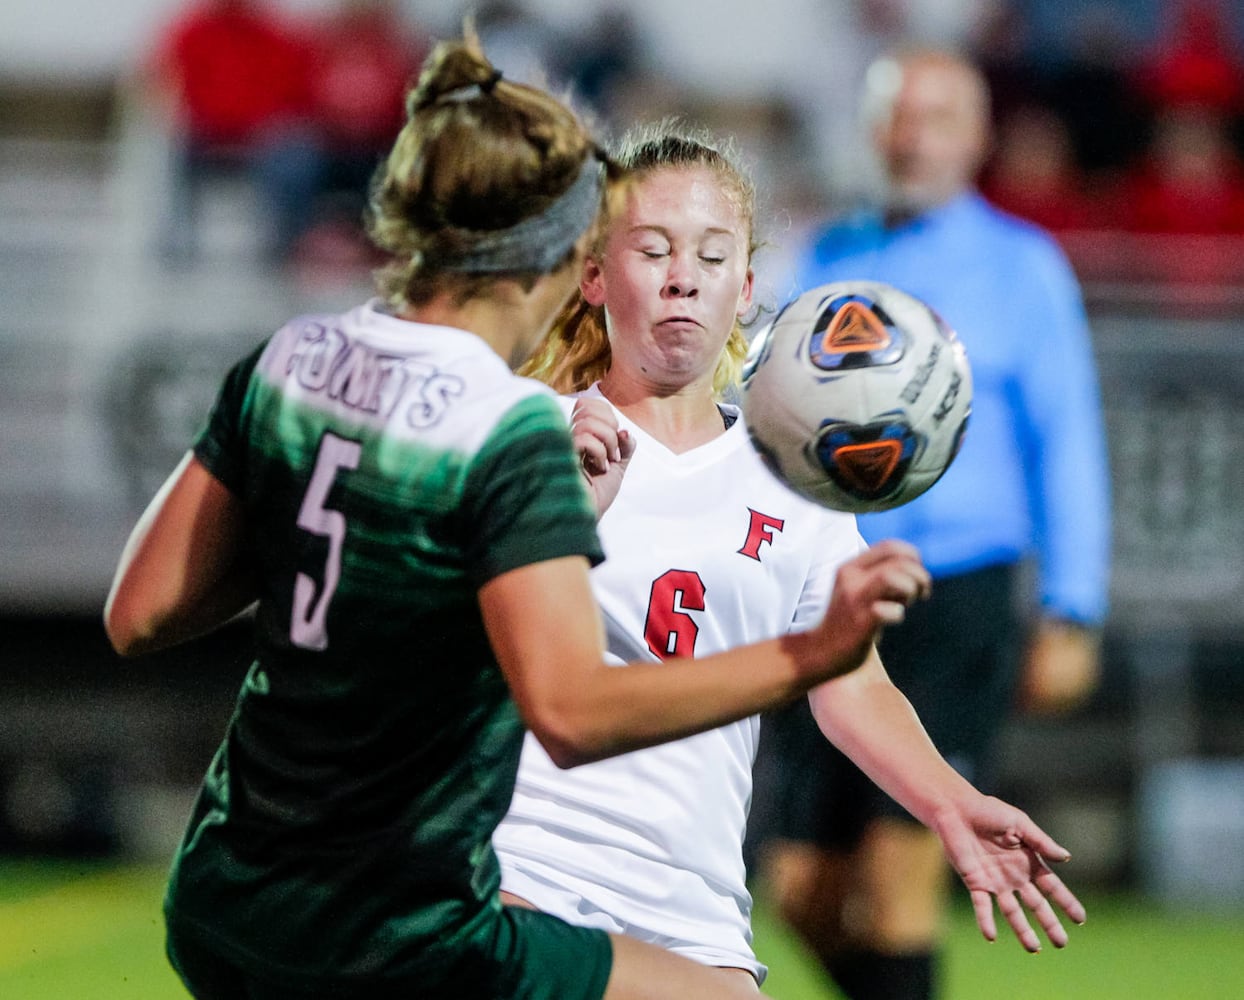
[{"x": 388, "y": 470}]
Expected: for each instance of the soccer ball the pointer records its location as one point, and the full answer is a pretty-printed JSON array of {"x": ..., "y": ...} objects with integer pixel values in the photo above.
[{"x": 857, "y": 396}]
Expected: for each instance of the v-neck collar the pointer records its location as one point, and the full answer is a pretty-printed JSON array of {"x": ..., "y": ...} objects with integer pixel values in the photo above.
[{"x": 700, "y": 455}]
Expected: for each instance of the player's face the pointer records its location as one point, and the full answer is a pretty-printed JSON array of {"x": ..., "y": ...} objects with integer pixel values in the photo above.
[
  {"x": 932, "y": 141},
  {"x": 674, "y": 276}
]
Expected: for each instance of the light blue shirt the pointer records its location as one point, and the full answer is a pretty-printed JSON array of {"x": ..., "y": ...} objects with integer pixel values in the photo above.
[{"x": 1032, "y": 476}]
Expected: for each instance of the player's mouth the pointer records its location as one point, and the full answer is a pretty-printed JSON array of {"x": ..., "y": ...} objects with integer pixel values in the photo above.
[{"x": 679, "y": 323}]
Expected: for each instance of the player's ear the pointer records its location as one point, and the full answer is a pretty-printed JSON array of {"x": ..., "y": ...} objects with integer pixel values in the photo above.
[
  {"x": 745, "y": 293},
  {"x": 592, "y": 284}
]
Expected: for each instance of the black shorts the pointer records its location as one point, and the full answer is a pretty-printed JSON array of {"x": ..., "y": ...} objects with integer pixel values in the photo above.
[{"x": 956, "y": 658}]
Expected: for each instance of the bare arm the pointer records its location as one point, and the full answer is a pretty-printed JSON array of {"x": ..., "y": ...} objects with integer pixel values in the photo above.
[
  {"x": 182, "y": 572},
  {"x": 546, "y": 631},
  {"x": 998, "y": 851},
  {"x": 873, "y": 723}
]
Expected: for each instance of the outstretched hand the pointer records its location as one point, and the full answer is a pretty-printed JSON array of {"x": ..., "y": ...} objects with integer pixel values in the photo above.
[
  {"x": 603, "y": 449},
  {"x": 1002, "y": 855}
]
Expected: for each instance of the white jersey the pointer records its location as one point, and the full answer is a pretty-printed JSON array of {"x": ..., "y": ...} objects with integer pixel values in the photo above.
[{"x": 705, "y": 550}]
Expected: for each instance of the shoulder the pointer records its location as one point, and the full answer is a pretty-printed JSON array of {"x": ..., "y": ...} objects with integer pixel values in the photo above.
[
  {"x": 537, "y": 401},
  {"x": 521, "y": 408},
  {"x": 438, "y": 384},
  {"x": 1022, "y": 236},
  {"x": 1029, "y": 257}
]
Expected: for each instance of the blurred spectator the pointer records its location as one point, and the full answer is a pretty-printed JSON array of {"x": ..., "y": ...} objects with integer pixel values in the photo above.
[
  {"x": 520, "y": 43},
  {"x": 1034, "y": 174},
  {"x": 1056, "y": 30},
  {"x": 605, "y": 58},
  {"x": 234, "y": 78},
  {"x": 822, "y": 82},
  {"x": 1001, "y": 45},
  {"x": 364, "y": 56},
  {"x": 1191, "y": 180},
  {"x": 1195, "y": 61},
  {"x": 1094, "y": 92}
]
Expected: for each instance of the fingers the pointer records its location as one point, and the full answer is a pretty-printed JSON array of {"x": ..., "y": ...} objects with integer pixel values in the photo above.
[
  {"x": 880, "y": 583},
  {"x": 889, "y": 612},
  {"x": 596, "y": 457},
  {"x": 1015, "y": 914},
  {"x": 593, "y": 453},
  {"x": 1037, "y": 897},
  {"x": 1041, "y": 842},
  {"x": 891, "y": 581},
  {"x": 626, "y": 445},
  {"x": 597, "y": 439},
  {"x": 1046, "y": 917},
  {"x": 906, "y": 578},
  {"x": 1043, "y": 847},
  {"x": 1011, "y": 909},
  {"x": 888, "y": 549},
  {"x": 871, "y": 591},
  {"x": 899, "y": 568},
  {"x": 982, "y": 903},
  {"x": 1006, "y": 862},
  {"x": 1055, "y": 890}
]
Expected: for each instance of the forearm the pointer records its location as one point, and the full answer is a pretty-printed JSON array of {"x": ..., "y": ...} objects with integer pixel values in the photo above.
[
  {"x": 625, "y": 709},
  {"x": 599, "y": 712},
  {"x": 545, "y": 629},
  {"x": 184, "y": 569},
  {"x": 873, "y": 723},
  {"x": 137, "y": 634}
]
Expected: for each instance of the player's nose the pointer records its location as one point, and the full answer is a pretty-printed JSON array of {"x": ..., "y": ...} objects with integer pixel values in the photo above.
[{"x": 680, "y": 279}]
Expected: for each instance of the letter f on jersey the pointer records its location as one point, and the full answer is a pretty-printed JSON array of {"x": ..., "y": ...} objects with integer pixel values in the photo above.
[{"x": 760, "y": 529}]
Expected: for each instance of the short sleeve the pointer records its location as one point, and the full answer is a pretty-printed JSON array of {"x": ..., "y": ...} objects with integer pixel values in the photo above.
[
  {"x": 221, "y": 445},
  {"x": 842, "y": 542},
  {"x": 526, "y": 501}
]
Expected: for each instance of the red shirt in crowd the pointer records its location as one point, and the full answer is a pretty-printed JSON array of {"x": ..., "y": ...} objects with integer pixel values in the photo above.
[
  {"x": 237, "y": 70},
  {"x": 365, "y": 60}
]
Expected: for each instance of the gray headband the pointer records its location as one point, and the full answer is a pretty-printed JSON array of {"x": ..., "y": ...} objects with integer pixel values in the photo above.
[{"x": 539, "y": 242}]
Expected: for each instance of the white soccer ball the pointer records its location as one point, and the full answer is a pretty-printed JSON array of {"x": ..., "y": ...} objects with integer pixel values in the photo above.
[{"x": 857, "y": 396}]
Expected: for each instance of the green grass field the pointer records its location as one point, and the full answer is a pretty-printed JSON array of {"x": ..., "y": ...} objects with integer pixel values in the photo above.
[{"x": 92, "y": 931}]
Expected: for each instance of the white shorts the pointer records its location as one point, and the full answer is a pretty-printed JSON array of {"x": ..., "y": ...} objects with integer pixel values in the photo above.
[{"x": 586, "y": 903}]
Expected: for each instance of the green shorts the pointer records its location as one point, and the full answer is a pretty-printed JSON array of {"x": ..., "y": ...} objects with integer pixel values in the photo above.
[
  {"x": 518, "y": 954},
  {"x": 551, "y": 959}
]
